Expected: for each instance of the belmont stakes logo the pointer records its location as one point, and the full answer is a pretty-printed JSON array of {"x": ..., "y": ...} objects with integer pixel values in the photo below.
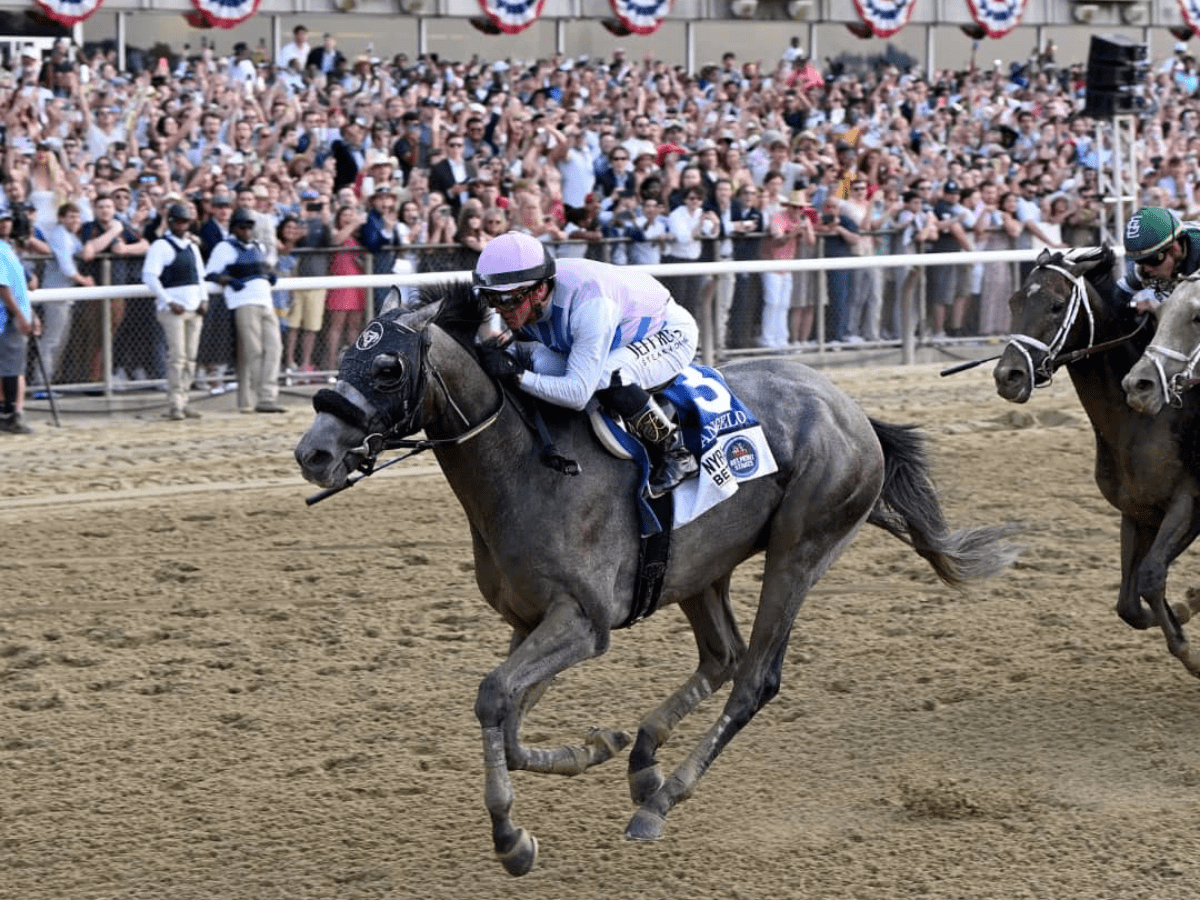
[
  {"x": 642, "y": 17},
  {"x": 997, "y": 17},
  {"x": 512, "y": 16},
  {"x": 885, "y": 17}
]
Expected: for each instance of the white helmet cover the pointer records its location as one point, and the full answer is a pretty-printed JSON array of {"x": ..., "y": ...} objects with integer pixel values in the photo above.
[{"x": 513, "y": 260}]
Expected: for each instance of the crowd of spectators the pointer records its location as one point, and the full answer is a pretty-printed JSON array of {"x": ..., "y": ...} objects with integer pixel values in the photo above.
[{"x": 399, "y": 164}]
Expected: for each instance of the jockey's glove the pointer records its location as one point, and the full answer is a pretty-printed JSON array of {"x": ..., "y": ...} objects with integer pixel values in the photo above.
[{"x": 499, "y": 364}]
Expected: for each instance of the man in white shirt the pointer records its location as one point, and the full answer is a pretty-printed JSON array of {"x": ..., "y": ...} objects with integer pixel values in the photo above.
[
  {"x": 296, "y": 51},
  {"x": 172, "y": 271}
]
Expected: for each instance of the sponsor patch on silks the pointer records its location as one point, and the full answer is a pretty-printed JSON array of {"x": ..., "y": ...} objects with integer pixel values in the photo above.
[{"x": 722, "y": 434}]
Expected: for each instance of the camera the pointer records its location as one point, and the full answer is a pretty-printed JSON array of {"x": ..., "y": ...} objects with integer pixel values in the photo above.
[
  {"x": 827, "y": 218},
  {"x": 313, "y": 207}
]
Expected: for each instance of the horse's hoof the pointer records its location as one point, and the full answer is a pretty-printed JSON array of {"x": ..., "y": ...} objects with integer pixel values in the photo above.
[
  {"x": 519, "y": 859},
  {"x": 644, "y": 784},
  {"x": 645, "y": 826},
  {"x": 608, "y": 743}
]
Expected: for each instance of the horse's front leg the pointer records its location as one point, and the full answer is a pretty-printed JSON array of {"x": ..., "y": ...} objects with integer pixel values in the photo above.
[
  {"x": 563, "y": 638},
  {"x": 1135, "y": 543},
  {"x": 1176, "y": 533},
  {"x": 721, "y": 647}
]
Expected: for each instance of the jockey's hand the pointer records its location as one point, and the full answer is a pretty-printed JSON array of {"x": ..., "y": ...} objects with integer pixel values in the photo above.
[
  {"x": 498, "y": 364},
  {"x": 1146, "y": 300}
]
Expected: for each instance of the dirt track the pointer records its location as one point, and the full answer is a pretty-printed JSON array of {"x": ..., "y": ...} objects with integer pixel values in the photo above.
[{"x": 209, "y": 691}]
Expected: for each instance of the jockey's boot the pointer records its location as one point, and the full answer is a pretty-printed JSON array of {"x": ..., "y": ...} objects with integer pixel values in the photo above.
[{"x": 675, "y": 462}]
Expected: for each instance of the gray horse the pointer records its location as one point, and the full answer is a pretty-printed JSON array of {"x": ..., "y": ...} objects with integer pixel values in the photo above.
[
  {"x": 556, "y": 556},
  {"x": 1143, "y": 465}
]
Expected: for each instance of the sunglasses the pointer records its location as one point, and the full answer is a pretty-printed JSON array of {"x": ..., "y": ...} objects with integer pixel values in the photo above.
[
  {"x": 1156, "y": 259},
  {"x": 505, "y": 300}
]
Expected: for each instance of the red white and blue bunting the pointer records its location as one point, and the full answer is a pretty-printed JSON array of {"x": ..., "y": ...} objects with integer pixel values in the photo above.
[
  {"x": 885, "y": 17},
  {"x": 69, "y": 12},
  {"x": 997, "y": 17},
  {"x": 512, "y": 16},
  {"x": 226, "y": 13},
  {"x": 1191, "y": 14},
  {"x": 641, "y": 16}
]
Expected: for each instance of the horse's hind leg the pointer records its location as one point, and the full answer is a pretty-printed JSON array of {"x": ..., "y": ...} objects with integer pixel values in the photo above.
[
  {"x": 789, "y": 574},
  {"x": 721, "y": 647}
]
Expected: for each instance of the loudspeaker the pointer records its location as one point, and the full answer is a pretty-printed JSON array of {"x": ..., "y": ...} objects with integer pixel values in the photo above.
[{"x": 1116, "y": 70}]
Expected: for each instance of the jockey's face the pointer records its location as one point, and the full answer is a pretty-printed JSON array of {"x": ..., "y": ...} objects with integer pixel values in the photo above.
[
  {"x": 1163, "y": 267},
  {"x": 529, "y": 309}
]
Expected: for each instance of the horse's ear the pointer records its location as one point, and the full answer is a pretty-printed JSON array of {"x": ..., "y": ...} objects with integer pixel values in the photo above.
[{"x": 1044, "y": 257}]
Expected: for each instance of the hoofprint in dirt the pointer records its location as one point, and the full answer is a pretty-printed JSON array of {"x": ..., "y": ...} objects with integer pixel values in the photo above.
[{"x": 212, "y": 691}]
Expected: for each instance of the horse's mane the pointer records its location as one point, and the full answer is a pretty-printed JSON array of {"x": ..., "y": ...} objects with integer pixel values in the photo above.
[{"x": 459, "y": 311}]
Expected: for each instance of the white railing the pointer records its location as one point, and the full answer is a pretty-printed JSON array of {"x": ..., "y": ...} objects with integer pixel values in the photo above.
[{"x": 710, "y": 349}]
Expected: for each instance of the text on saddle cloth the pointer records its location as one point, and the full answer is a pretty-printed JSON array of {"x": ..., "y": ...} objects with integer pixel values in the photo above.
[{"x": 717, "y": 428}]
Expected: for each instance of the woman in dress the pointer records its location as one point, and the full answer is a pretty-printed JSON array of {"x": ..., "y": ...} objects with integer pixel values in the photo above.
[{"x": 346, "y": 306}]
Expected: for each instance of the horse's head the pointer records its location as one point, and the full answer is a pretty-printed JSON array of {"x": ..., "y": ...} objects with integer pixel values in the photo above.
[
  {"x": 379, "y": 397},
  {"x": 1168, "y": 367},
  {"x": 1054, "y": 312}
]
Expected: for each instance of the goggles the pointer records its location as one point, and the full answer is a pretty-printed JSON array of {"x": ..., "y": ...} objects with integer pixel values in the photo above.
[
  {"x": 505, "y": 300},
  {"x": 1155, "y": 259}
]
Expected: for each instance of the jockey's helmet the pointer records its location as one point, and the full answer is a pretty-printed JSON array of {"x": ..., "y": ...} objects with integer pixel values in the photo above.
[
  {"x": 508, "y": 264},
  {"x": 1150, "y": 233}
]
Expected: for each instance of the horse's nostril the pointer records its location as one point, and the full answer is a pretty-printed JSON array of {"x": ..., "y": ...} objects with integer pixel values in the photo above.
[{"x": 314, "y": 459}]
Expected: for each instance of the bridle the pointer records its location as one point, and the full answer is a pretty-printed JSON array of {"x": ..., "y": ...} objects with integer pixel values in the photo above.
[
  {"x": 1173, "y": 386},
  {"x": 382, "y": 436},
  {"x": 1023, "y": 343},
  {"x": 1054, "y": 358}
]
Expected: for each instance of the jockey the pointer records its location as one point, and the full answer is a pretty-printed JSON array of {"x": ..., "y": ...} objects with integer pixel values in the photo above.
[
  {"x": 1160, "y": 252},
  {"x": 587, "y": 328}
]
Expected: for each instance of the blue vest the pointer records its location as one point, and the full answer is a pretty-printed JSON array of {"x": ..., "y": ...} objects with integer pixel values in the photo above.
[
  {"x": 249, "y": 263},
  {"x": 181, "y": 270}
]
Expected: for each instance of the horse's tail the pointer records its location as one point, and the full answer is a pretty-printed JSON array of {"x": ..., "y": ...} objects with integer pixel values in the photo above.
[{"x": 908, "y": 508}]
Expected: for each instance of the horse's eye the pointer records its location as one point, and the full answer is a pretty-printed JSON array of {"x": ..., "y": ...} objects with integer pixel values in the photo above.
[
  {"x": 1057, "y": 307},
  {"x": 387, "y": 372}
]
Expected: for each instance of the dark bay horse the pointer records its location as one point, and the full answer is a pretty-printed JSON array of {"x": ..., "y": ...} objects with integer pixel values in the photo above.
[
  {"x": 1145, "y": 466},
  {"x": 556, "y": 556}
]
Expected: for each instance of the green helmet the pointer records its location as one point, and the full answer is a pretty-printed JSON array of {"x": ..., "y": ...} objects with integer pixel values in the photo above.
[{"x": 1150, "y": 230}]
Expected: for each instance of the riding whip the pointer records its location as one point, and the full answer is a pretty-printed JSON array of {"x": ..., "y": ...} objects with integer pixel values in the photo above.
[
  {"x": 970, "y": 364},
  {"x": 37, "y": 354}
]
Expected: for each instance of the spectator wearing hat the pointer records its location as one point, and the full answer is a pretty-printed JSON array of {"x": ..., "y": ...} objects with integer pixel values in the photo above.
[
  {"x": 17, "y": 322},
  {"x": 381, "y": 233},
  {"x": 785, "y": 228},
  {"x": 239, "y": 265},
  {"x": 172, "y": 270},
  {"x": 949, "y": 285},
  {"x": 778, "y": 160}
]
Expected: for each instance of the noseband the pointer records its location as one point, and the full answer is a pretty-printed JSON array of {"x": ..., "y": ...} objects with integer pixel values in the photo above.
[{"x": 1024, "y": 344}]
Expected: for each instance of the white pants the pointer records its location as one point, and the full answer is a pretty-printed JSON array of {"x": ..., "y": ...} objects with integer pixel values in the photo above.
[
  {"x": 56, "y": 322},
  {"x": 777, "y": 300},
  {"x": 259, "y": 351},
  {"x": 183, "y": 341}
]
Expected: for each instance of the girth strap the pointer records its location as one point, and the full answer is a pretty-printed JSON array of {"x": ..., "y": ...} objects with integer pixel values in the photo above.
[{"x": 654, "y": 553}]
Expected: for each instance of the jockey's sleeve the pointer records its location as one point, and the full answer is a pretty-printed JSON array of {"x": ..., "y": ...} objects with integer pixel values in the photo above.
[{"x": 593, "y": 326}]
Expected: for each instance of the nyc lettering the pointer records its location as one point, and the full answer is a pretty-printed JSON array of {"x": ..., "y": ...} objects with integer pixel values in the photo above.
[{"x": 716, "y": 467}]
